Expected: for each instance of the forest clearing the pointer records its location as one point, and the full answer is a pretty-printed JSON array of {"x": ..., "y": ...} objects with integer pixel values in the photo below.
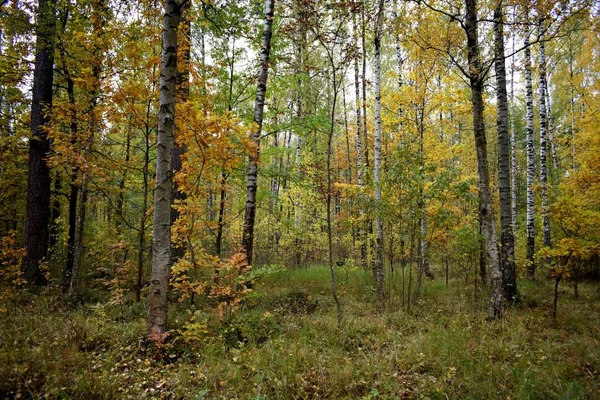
[{"x": 261, "y": 199}]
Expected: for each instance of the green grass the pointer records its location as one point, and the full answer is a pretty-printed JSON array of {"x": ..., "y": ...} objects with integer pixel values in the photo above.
[{"x": 285, "y": 343}]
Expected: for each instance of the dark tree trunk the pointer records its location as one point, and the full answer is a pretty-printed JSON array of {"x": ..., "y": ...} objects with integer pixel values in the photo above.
[
  {"x": 220, "y": 221},
  {"x": 98, "y": 14},
  {"x": 121, "y": 198},
  {"x": 183, "y": 93},
  {"x": 74, "y": 187},
  {"x": 38, "y": 180},
  {"x": 55, "y": 212},
  {"x": 143, "y": 219}
]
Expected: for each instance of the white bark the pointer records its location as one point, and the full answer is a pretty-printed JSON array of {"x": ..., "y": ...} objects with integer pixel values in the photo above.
[
  {"x": 543, "y": 136},
  {"x": 359, "y": 158},
  {"x": 161, "y": 239},
  {"x": 378, "y": 269},
  {"x": 496, "y": 300},
  {"x": 259, "y": 104},
  {"x": 530, "y": 147},
  {"x": 513, "y": 138}
]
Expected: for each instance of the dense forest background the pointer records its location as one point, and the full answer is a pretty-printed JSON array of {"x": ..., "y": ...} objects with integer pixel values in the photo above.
[{"x": 193, "y": 179}]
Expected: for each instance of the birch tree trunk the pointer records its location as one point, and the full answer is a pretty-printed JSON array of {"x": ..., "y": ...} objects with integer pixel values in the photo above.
[
  {"x": 496, "y": 303},
  {"x": 359, "y": 160},
  {"x": 378, "y": 270},
  {"x": 507, "y": 247},
  {"x": 161, "y": 239},
  {"x": 367, "y": 170},
  {"x": 513, "y": 138},
  {"x": 543, "y": 135},
  {"x": 530, "y": 147},
  {"x": 259, "y": 104},
  {"x": 38, "y": 179}
]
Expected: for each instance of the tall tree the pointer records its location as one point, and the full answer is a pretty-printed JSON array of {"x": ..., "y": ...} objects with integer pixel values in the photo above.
[
  {"x": 530, "y": 147},
  {"x": 38, "y": 182},
  {"x": 507, "y": 247},
  {"x": 98, "y": 19},
  {"x": 543, "y": 133},
  {"x": 359, "y": 154},
  {"x": 513, "y": 137},
  {"x": 476, "y": 80},
  {"x": 259, "y": 104},
  {"x": 183, "y": 93},
  {"x": 378, "y": 270},
  {"x": 161, "y": 239}
]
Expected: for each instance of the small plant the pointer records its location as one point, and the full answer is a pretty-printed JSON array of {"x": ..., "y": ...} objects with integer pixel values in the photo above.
[
  {"x": 195, "y": 330},
  {"x": 10, "y": 269},
  {"x": 233, "y": 282}
]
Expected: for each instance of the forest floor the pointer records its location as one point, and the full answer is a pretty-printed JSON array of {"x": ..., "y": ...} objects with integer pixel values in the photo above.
[{"x": 285, "y": 343}]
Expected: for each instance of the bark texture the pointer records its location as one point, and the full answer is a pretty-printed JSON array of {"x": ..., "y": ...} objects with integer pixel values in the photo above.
[
  {"x": 38, "y": 179},
  {"x": 183, "y": 94},
  {"x": 161, "y": 239},
  {"x": 543, "y": 135},
  {"x": 359, "y": 159},
  {"x": 378, "y": 270},
  {"x": 496, "y": 302},
  {"x": 530, "y": 147},
  {"x": 507, "y": 247},
  {"x": 513, "y": 138},
  {"x": 259, "y": 104}
]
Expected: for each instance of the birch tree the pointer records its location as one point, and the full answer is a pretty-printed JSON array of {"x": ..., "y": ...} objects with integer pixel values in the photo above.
[
  {"x": 378, "y": 269},
  {"x": 161, "y": 239},
  {"x": 476, "y": 81},
  {"x": 530, "y": 149},
  {"x": 507, "y": 246},
  {"x": 513, "y": 138},
  {"x": 543, "y": 134},
  {"x": 259, "y": 104},
  {"x": 359, "y": 155}
]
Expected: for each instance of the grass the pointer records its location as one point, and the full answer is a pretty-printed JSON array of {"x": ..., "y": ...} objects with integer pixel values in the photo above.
[{"x": 286, "y": 344}]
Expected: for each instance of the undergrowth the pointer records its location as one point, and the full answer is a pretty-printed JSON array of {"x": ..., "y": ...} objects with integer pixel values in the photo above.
[{"x": 285, "y": 343}]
